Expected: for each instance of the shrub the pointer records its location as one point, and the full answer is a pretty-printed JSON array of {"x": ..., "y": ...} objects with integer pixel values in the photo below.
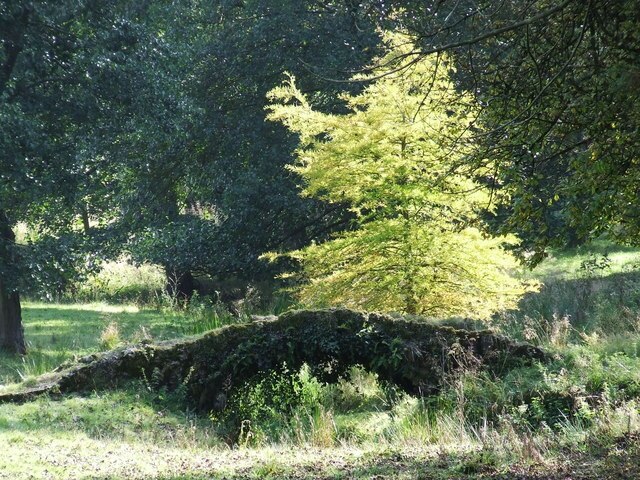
[
  {"x": 110, "y": 336},
  {"x": 272, "y": 405}
]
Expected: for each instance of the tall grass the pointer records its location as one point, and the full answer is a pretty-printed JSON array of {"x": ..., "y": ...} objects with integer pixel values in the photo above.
[
  {"x": 202, "y": 314},
  {"x": 120, "y": 282},
  {"x": 584, "y": 292}
]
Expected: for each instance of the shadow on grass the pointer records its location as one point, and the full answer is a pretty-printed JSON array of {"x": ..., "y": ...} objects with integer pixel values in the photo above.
[
  {"x": 130, "y": 413},
  {"x": 608, "y": 304},
  {"x": 611, "y": 463}
]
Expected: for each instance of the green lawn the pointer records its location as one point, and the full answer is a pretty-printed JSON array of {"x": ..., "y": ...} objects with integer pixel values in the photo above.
[
  {"x": 56, "y": 333},
  {"x": 127, "y": 434},
  {"x": 579, "y": 262}
]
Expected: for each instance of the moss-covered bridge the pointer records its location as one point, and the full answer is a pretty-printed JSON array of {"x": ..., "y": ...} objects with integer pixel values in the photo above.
[{"x": 414, "y": 355}]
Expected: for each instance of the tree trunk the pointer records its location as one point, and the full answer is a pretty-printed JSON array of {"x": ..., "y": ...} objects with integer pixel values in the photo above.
[
  {"x": 180, "y": 285},
  {"x": 86, "y": 224},
  {"x": 11, "y": 331}
]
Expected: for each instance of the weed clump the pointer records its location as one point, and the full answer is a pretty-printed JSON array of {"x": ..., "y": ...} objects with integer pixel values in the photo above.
[{"x": 110, "y": 336}]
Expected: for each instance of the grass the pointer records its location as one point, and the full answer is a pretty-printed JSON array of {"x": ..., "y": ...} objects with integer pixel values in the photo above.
[
  {"x": 576, "y": 262},
  {"x": 74, "y": 454},
  {"x": 58, "y": 332},
  {"x": 593, "y": 290},
  {"x": 578, "y": 416},
  {"x": 135, "y": 434}
]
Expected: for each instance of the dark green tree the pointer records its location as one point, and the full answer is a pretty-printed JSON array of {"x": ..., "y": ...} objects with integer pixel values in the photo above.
[
  {"x": 244, "y": 156},
  {"x": 233, "y": 199},
  {"x": 558, "y": 81},
  {"x": 37, "y": 68},
  {"x": 67, "y": 92},
  {"x": 140, "y": 128}
]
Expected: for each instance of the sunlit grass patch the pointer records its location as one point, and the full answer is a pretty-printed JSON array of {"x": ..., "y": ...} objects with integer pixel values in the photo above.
[
  {"x": 100, "y": 307},
  {"x": 591, "y": 291},
  {"x": 130, "y": 434},
  {"x": 59, "y": 332},
  {"x": 127, "y": 415},
  {"x": 599, "y": 257}
]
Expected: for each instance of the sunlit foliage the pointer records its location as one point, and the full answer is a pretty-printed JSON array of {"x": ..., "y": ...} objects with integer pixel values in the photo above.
[{"x": 416, "y": 245}]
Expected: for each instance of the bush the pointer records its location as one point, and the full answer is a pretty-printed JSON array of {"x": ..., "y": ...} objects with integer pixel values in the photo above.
[
  {"x": 270, "y": 406},
  {"x": 120, "y": 282}
]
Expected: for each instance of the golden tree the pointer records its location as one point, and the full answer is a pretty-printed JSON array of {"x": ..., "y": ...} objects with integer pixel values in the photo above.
[{"x": 395, "y": 158}]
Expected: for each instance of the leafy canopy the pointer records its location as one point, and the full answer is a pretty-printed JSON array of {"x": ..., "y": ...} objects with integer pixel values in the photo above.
[
  {"x": 416, "y": 246},
  {"x": 559, "y": 82}
]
